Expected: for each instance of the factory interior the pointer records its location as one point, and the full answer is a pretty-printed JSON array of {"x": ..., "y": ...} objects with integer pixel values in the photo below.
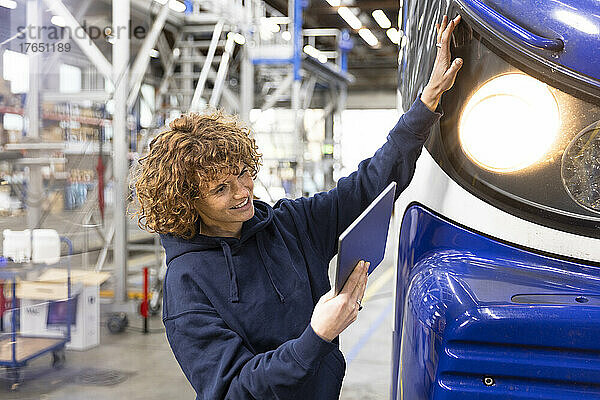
[{"x": 84, "y": 88}]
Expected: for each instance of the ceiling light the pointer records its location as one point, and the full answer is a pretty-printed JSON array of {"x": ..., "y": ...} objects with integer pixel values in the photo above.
[
  {"x": 334, "y": 3},
  {"x": 174, "y": 5},
  {"x": 287, "y": 36},
  {"x": 311, "y": 51},
  {"x": 58, "y": 21},
  {"x": 154, "y": 53},
  {"x": 368, "y": 37},
  {"x": 349, "y": 17},
  {"x": 394, "y": 35},
  {"x": 177, "y": 6},
  {"x": 237, "y": 37},
  {"x": 8, "y": 4},
  {"x": 381, "y": 19}
]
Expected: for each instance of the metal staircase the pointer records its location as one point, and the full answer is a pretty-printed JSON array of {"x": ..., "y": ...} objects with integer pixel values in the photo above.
[{"x": 199, "y": 62}]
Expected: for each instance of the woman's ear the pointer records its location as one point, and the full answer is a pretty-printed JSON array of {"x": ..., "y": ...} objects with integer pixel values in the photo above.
[{"x": 198, "y": 204}]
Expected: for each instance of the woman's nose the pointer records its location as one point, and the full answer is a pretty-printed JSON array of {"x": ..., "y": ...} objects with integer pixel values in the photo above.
[{"x": 240, "y": 191}]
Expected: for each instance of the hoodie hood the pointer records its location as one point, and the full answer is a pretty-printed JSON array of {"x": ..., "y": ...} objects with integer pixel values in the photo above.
[{"x": 263, "y": 217}]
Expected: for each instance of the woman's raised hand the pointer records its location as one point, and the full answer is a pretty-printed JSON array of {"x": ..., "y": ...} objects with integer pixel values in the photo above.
[
  {"x": 444, "y": 71},
  {"x": 333, "y": 314}
]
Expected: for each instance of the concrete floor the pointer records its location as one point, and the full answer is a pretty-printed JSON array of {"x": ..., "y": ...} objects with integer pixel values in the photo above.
[{"x": 147, "y": 369}]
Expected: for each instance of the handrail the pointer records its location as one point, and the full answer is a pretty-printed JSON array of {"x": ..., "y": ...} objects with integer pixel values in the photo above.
[{"x": 514, "y": 30}]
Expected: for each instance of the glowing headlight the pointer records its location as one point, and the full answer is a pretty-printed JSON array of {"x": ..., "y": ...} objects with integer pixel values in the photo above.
[{"x": 509, "y": 123}]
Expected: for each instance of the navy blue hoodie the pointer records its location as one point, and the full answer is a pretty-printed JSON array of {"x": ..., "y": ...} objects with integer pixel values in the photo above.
[{"x": 237, "y": 311}]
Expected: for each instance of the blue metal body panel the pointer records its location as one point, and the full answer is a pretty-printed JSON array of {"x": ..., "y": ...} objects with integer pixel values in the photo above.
[
  {"x": 575, "y": 22},
  {"x": 480, "y": 319},
  {"x": 516, "y": 25},
  {"x": 515, "y": 30}
]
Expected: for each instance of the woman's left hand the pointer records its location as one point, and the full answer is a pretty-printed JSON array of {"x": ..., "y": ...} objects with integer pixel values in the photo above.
[{"x": 444, "y": 72}]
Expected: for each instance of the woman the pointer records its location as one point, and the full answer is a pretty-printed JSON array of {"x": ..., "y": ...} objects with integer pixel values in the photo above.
[{"x": 247, "y": 303}]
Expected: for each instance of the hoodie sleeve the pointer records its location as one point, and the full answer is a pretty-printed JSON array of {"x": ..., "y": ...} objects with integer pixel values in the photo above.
[
  {"x": 326, "y": 215},
  {"x": 219, "y": 366}
]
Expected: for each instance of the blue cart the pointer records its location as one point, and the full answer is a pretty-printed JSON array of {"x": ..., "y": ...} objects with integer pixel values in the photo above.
[{"x": 16, "y": 349}]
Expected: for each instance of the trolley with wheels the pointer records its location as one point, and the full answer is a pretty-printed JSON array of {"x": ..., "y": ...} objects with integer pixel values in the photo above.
[{"x": 17, "y": 347}]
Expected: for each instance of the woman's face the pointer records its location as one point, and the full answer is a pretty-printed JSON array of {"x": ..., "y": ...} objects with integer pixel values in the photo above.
[{"x": 227, "y": 204}]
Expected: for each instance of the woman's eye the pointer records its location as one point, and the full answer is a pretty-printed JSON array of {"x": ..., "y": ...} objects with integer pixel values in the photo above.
[{"x": 220, "y": 189}]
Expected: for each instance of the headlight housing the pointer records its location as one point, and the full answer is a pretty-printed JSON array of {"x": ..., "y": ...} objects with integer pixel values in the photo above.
[
  {"x": 509, "y": 123},
  {"x": 580, "y": 169},
  {"x": 529, "y": 147}
]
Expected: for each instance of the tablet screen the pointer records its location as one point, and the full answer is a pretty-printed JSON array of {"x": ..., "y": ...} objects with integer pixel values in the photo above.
[{"x": 366, "y": 237}]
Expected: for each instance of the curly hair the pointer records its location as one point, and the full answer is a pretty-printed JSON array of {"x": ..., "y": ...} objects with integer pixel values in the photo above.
[{"x": 175, "y": 174}]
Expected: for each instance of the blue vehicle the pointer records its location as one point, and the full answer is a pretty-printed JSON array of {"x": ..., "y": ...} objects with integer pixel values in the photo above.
[{"x": 498, "y": 278}]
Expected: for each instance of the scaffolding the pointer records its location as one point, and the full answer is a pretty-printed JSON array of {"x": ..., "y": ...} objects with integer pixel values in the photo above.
[{"x": 288, "y": 83}]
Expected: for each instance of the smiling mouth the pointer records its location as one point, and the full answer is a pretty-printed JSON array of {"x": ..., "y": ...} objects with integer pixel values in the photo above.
[{"x": 242, "y": 204}]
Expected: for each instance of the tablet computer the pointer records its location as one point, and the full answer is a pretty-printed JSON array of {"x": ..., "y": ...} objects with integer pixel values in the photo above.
[{"x": 366, "y": 237}]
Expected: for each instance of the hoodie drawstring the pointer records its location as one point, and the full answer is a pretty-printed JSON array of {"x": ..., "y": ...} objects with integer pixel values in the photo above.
[
  {"x": 262, "y": 253},
  {"x": 233, "y": 286}
]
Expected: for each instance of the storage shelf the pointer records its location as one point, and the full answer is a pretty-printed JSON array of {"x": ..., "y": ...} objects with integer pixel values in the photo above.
[{"x": 58, "y": 117}]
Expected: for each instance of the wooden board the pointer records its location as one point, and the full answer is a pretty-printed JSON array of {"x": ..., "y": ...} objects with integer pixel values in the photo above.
[
  {"x": 89, "y": 278},
  {"x": 26, "y": 347},
  {"x": 41, "y": 290}
]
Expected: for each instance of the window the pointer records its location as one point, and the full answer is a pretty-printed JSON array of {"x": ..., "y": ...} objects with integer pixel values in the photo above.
[
  {"x": 15, "y": 68},
  {"x": 70, "y": 79}
]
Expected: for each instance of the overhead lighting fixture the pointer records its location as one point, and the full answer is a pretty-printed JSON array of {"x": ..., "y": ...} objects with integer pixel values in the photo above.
[
  {"x": 11, "y": 4},
  {"x": 237, "y": 37},
  {"x": 272, "y": 23},
  {"x": 287, "y": 36},
  {"x": 58, "y": 21},
  {"x": 381, "y": 19},
  {"x": 177, "y": 6},
  {"x": 313, "y": 52},
  {"x": 349, "y": 17},
  {"x": 394, "y": 35},
  {"x": 154, "y": 53},
  {"x": 368, "y": 37},
  {"x": 334, "y": 3},
  {"x": 174, "y": 5}
]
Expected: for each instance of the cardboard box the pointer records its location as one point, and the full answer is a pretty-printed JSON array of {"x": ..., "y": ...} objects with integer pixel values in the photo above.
[
  {"x": 54, "y": 203},
  {"x": 42, "y": 315},
  {"x": 53, "y": 134}
]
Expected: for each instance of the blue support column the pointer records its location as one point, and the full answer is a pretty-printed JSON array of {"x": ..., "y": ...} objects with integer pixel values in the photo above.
[
  {"x": 345, "y": 44},
  {"x": 298, "y": 7}
]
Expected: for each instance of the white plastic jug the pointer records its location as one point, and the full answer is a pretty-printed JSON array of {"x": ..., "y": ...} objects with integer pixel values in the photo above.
[
  {"x": 43, "y": 246},
  {"x": 17, "y": 245}
]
